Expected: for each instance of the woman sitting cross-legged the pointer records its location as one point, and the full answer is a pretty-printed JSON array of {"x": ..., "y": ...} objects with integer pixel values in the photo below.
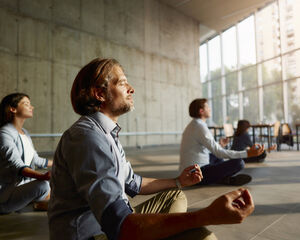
[
  {"x": 20, "y": 184},
  {"x": 242, "y": 141}
]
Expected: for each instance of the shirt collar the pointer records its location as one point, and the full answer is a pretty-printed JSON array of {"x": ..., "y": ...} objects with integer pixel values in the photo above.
[
  {"x": 105, "y": 122},
  {"x": 199, "y": 120}
]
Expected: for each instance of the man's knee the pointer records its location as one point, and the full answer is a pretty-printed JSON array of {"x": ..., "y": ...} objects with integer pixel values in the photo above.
[
  {"x": 179, "y": 201},
  {"x": 240, "y": 164}
]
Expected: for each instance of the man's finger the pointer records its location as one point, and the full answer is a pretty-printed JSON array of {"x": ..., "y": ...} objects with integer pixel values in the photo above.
[
  {"x": 247, "y": 197},
  {"x": 235, "y": 194}
]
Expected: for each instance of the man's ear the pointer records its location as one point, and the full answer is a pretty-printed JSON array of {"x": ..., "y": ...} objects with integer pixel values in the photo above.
[
  {"x": 98, "y": 93},
  {"x": 200, "y": 112}
]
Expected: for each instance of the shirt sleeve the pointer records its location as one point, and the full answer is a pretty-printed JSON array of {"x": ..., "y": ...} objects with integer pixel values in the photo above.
[
  {"x": 93, "y": 169},
  {"x": 12, "y": 164},
  {"x": 206, "y": 139},
  {"x": 37, "y": 160},
  {"x": 133, "y": 181}
]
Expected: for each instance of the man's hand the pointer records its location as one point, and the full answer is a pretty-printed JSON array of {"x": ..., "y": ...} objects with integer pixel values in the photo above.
[
  {"x": 224, "y": 141},
  {"x": 272, "y": 148},
  {"x": 230, "y": 208},
  {"x": 190, "y": 176},
  {"x": 255, "y": 150}
]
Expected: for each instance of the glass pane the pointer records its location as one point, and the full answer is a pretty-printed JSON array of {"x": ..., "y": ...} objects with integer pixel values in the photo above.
[
  {"x": 231, "y": 81},
  {"x": 232, "y": 103},
  {"x": 214, "y": 54},
  {"x": 205, "y": 90},
  {"x": 216, "y": 87},
  {"x": 273, "y": 106},
  {"x": 289, "y": 24},
  {"x": 250, "y": 105},
  {"x": 293, "y": 101},
  {"x": 271, "y": 71},
  {"x": 229, "y": 49},
  {"x": 291, "y": 65},
  {"x": 268, "y": 36},
  {"x": 249, "y": 77},
  {"x": 203, "y": 62},
  {"x": 217, "y": 111},
  {"x": 246, "y": 37}
]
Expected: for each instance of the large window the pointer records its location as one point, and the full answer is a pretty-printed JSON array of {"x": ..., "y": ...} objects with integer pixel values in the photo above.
[
  {"x": 229, "y": 49},
  {"x": 252, "y": 69}
]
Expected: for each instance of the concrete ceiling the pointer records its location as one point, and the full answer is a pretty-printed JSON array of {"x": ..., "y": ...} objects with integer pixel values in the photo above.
[{"x": 217, "y": 15}]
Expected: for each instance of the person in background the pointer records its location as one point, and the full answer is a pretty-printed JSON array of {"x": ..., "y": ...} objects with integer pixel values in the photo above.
[
  {"x": 198, "y": 146},
  {"x": 92, "y": 179},
  {"x": 242, "y": 141},
  {"x": 20, "y": 184}
]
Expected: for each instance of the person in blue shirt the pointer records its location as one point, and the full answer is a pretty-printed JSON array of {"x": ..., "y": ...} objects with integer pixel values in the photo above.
[
  {"x": 92, "y": 179},
  {"x": 20, "y": 184}
]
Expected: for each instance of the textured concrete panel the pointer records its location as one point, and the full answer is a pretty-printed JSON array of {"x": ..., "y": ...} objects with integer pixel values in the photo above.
[
  {"x": 8, "y": 31},
  {"x": 135, "y": 63},
  {"x": 193, "y": 76},
  {"x": 92, "y": 47},
  {"x": 114, "y": 18},
  {"x": 13, "y": 4},
  {"x": 92, "y": 16},
  {"x": 34, "y": 38},
  {"x": 176, "y": 40},
  {"x": 36, "y": 8},
  {"x": 35, "y": 80},
  {"x": 66, "y": 46},
  {"x": 8, "y": 74},
  {"x": 156, "y": 45},
  {"x": 153, "y": 96},
  {"x": 67, "y": 12},
  {"x": 134, "y": 24},
  {"x": 64, "y": 116},
  {"x": 152, "y": 30}
]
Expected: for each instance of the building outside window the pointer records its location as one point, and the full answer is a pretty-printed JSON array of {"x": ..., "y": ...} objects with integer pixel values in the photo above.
[{"x": 252, "y": 69}]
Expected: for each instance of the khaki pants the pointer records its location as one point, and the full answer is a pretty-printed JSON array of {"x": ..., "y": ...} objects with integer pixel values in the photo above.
[{"x": 172, "y": 201}]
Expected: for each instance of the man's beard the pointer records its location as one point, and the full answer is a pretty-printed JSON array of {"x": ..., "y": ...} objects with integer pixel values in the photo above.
[{"x": 122, "y": 108}]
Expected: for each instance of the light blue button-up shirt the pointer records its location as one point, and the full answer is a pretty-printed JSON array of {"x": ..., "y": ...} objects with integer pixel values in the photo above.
[
  {"x": 89, "y": 182},
  {"x": 196, "y": 144}
]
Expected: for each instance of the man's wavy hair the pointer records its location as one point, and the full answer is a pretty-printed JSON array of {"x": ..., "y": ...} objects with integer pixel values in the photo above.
[
  {"x": 195, "y": 106},
  {"x": 95, "y": 74}
]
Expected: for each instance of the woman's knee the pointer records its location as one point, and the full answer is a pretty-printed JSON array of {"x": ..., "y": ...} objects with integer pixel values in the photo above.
[{"x": 43, "y": 188}]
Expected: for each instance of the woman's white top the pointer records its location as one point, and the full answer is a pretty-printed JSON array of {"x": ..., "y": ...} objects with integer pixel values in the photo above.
[{"x": 28, "y": 149}]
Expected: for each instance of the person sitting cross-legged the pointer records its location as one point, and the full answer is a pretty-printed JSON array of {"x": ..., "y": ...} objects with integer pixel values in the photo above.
[
  {"x": 92, "y": 179},
  {"x": 242, "y": 141},
  {"x": 199, "y": 147}
]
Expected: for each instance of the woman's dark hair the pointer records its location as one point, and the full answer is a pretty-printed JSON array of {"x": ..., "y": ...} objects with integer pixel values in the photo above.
[
  {"x": 195, "y": 106},
  {"x": 95, "y": 74},
  {"x": 242, "y": 127},
  {"x": 9, "y": 101}
]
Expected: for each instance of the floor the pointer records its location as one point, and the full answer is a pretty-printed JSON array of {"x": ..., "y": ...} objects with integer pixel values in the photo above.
[{"x": 275, "y": 189}]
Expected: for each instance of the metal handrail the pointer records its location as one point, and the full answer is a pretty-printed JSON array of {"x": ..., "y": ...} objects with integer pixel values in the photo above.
[{"x": 44, "y": 135}]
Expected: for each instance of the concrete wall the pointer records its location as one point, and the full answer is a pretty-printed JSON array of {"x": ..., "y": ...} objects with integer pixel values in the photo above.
[{"x": 44, "y": 43}]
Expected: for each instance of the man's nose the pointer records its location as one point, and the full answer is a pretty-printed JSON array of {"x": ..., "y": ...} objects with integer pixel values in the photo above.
[{"x": 130, "y": 89}]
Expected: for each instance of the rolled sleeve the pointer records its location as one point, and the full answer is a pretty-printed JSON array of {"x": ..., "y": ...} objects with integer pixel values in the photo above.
[
  {"x": 113, "y": 217},
  {"x": 11, "y": 157},
  {"x": 134, "y": 187},
  {"x": 207, "y": 140}
]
